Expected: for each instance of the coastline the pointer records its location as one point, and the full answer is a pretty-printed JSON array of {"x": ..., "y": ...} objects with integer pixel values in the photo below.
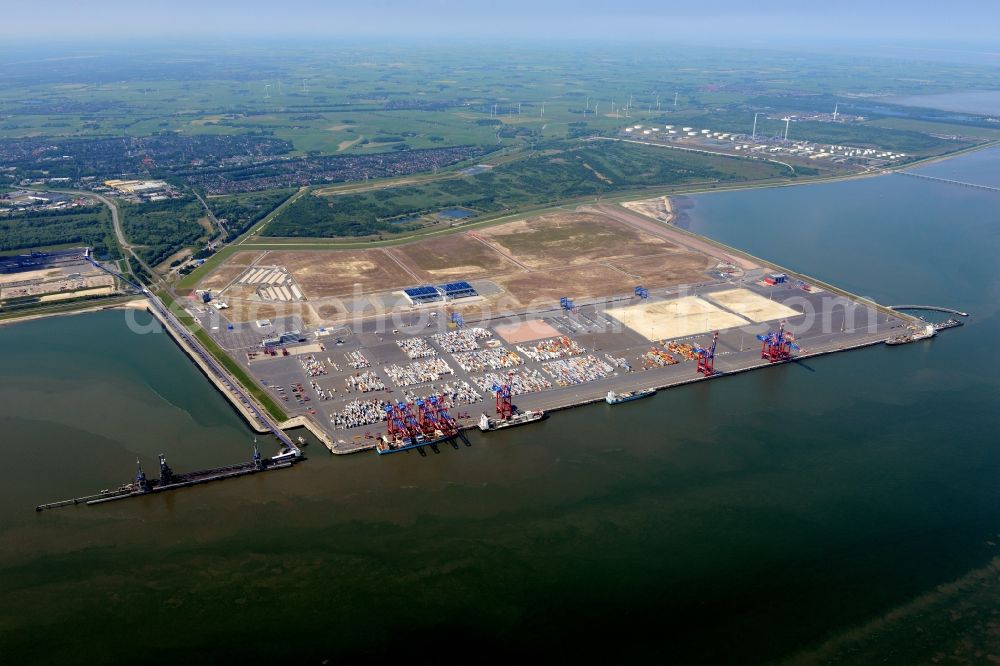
[
  {"x": 248, "y": 416},
  {"x": 665, "y": 212},
  {"x": 136, "y": 301},
  {"x": 668, "y": 210}
]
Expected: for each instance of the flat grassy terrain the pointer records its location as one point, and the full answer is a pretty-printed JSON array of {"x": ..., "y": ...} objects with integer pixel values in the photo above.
[
  {"x": 556, "y": 172},
  {"x": 936, "y": 128},
  {"x": 180, "y": 112}
]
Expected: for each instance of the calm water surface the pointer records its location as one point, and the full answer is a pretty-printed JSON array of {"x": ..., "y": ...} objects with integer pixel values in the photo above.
[
  {"x": 747, "y": 519},
  {"x": 985, "y": 102}
]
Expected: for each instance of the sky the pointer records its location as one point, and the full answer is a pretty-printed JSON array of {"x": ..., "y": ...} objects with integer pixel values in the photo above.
[{"x": 958, "y": 23}]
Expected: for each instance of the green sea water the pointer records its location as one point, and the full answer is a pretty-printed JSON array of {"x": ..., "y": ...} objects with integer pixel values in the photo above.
[{"x": 766, "y": 516}]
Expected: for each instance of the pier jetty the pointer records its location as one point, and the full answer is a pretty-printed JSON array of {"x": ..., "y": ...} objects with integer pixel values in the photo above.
[{"x": 170, "y": 480}]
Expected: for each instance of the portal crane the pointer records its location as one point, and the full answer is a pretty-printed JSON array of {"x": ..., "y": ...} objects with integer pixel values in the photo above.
[
  {"x": 445, "y": 422},
  {"x": 400, "y": 422},
  {"x": 706, "y": 357},
  {"x": 777, "y": 345},
  {"x": 502, "y": 392},
  {"x": 433, "y": 417}
]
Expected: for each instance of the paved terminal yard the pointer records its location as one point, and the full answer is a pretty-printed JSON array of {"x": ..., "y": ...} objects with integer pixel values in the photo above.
[
  {"x": 378, "y": 325},
  {"x": 339, "y": 376}
]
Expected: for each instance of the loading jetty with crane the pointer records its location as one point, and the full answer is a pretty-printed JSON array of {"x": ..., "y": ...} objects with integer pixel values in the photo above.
[
  {"x": 288, "y": 454},
  {"x": 142, "y": 485}
]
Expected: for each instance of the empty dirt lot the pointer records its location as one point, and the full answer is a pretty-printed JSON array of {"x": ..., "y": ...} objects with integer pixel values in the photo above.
[
  {"x": 458, "y": 256},
  {"x": 752, "y": 306},
  {"x": 323, "y": 273},
  {"x": 665, "y": 269},
  {"x": 229, "y": 271},
  {"x": 564, "y": 239},
  {"x": 586, "y": 254}
]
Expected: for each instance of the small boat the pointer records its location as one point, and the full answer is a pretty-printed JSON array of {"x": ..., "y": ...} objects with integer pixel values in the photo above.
[
  {"x": 487, "y": 424},
  {"x": 613, "y": 398}
]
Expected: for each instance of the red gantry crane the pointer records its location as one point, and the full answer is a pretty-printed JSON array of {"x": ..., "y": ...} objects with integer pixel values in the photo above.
[
  {"x": 706, "y": 357},
  {"x": 777, "y": 345},
  {"x": 502, "y": 392}
]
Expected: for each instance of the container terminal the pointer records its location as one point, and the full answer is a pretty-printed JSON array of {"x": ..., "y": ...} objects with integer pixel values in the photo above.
[
  {"x": 443, "y": 365},
  {"x": 503, "y": 325},
  {"x": 363, "y": 386}
]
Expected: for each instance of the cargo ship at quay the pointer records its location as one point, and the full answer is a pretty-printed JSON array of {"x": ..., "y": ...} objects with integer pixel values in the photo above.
[
  {"x": 613, "y": 398},
  {"x": 426, "y": 422},
  {"x": 487, "y": 423}
]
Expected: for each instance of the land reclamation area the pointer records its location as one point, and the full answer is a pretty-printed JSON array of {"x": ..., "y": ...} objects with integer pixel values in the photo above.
[{"x": 335, "y": 335}]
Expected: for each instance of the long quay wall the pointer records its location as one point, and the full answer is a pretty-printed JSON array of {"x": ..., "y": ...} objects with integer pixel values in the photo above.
[{"x": 556, "y": 400}]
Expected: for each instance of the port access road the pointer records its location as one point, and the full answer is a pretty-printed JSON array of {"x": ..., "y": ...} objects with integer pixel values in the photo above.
[{"x": 217, "y": 373}]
